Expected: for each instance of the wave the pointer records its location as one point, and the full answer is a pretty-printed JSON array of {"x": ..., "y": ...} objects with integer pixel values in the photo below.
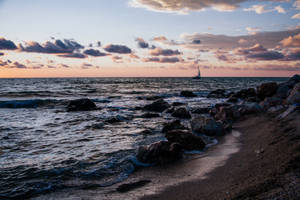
[{"x": 30, "y": 103}]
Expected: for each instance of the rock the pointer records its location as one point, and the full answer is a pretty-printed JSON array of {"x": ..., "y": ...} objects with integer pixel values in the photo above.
[
  {"x": 162, "y": 152},
  {"x": 170, "y": 110},
  {"x": 97, "y": 126},
  {"x": 152, "y": 98},
  {"x": 174, "y": 125},
  {"x": 233, "y": 99},
  {"x": 187, "y": 94},
  {"x": 207, "y": 126},
  {"x": 81, "y": 105},
  {"x": 115, "y": 119},
  {"x": 201, "y": 110},
  {"x": 283, "y": 90},
  {"x": 130, "y": 186},
  {"x": 177, "y": 104},
  {"x": 150, "y": 115},
  {"x": 219, "y": 105},
  {"x": 251, "y": 108},
  {"x": 186, "y": 139},
  {"x": 266, "y": 90},
  {"x": 181, "y": 113},
  {"x": 228, "y": 113},
  {"x": 146, "y": 132},
  {"x": 245, "y": 93},
  {"x": 293, "y": 80},
  {"x": 290, "y": 110},
  {"x": 219, "y": 93},
  {"x": 294, "y": 97},
  {"x": 270, "y": 102},
  {"x": 276, "y": 108},
  {"x": 157, "y": 106}
]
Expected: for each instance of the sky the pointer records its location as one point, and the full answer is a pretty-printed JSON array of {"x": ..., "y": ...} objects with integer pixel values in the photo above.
[{"x": 149, "y": 38}]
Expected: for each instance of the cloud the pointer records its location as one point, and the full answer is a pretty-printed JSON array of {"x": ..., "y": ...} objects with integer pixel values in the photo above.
[
  {"x": 117, "y": 59},
  {"x": 297, "y": 4},
  {"x": 293, "y": 55},
  {"x": 122, "y": 49},
  {"x": 57, "y": 47},
  {"x": 164, "y": 52},
  {"x": 7, "y": 44},
  {"x": 94, "y": 52},
  {"x": 296, "y": 16},
  {"x": 291, "y": 41},
  {"x": 134, "y": 56},
  {"x": 17, "y": 65},
  {"x": 259, "y": 9},
  {"x": 159, "y": 38},
  {"x": 141, "y": 43},
  {"x": 73, "y": 55},
  {"x": 252, "y": 30},
  {"x": 163, "y": 59},
  {"x": 63, "y": 66},
  {"x": 279, "y": 9},
  {"x": 1, "y": 54},
  {"x": 196, "y": 42},
  {"x": 86, "y": 66},
  {"x": 291, "y": 68}
]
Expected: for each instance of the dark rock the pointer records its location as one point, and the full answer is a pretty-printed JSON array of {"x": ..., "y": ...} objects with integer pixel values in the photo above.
[
  {"x": 201, "y": 110},
  {"x": 270, "y": 102},
  {"x": 293, "y": 80},
  {"x": 181, "y": 113},
  {"x": 174, "y": 125},
  {"x": 115, "y": 119},
  {"x": 186, "y": 139},
  {"x": 150, "y": 115},
  {"x": 157, "y": 106},
  {"x": 152, "y": 98},
  {"x": 219, "y": 93},
  {"x": 130, "y": 186},
  {"x": 228, "y": 113},
  {"x": 187, "y": 94},
  {"x": 146, "y": 132},
  {"x": 177, "y": 104},
  {"x": 81, "y": 105},
  {"x": 245, "y": 93},
  {"x": 233, "y": 99},
  {"x": 283, "y": 90},
  {"x": 266, "y": 90},
  {"x": 207, "y": 126},
  {"x": 294, "y": 97},
  {"x": 170, "y": 110},
  {"x": 162, "y": 152},
  {"x": 251, "y": 108},
  {"x": 219, "y": 105}
]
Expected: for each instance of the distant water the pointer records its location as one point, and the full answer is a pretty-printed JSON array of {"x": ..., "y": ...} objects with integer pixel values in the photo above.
[{"x": 43, "y": 148}]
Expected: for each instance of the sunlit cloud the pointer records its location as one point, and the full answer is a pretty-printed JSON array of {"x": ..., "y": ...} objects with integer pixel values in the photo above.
[
  {"x": 296, "y": 16},
  {"x": 164, "y": 52}
]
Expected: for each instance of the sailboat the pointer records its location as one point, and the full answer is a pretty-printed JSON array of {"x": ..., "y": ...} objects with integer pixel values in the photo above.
[{"x": 199, "y": 74}]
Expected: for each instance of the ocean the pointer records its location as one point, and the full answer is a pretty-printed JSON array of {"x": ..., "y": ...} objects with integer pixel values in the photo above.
[{"x": 44, "y": 148}]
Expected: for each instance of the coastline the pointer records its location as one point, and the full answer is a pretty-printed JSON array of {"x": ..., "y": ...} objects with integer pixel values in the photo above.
[{"x": 266, "y": 166}]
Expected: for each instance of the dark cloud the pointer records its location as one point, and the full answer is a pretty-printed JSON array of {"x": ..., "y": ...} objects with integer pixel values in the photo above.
[
  {"x": 117, "y": 59},
  {"x": 18, "y": 65},
  {"x": 51, "y": 66},
  {"x": 293, "y": 55},
  {"x": 267, "y": 55},
  {"x": 58, "y": 47},
  {"x": 73, "y": 55},
  {"x": 64, "y": 66},
  {"x": 86, "y": 66},
  {"x": 163, "y": 59},
  {"x": 7, "y": 44},
  {"x": 141, "y": 43},
  {"x": 164, "y": 52},
  {"x": 196, "y": 42},
  {"x": 122, "y": 49},
  {"x": 291, "y": 68},
  {"x": 94, "y": 52},
  {"x": 1, "y": 54}
]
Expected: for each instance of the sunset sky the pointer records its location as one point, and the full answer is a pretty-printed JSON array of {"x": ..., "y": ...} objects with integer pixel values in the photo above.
[{"x": 142, "y": 38}]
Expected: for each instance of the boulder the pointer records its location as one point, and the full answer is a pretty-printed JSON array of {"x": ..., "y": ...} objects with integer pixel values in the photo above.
[
  {"x": 245, "y": 93},
  {"x": 81, "y": 105},
  {"x": 293, "y": 80},
  {"x": 219, "y": 93},
  {"x": 150, "y": 115},
  {"x": 294, "y": 97},
  {"x": 233, "y": 99},
  {"x": 181, "y": 113},
  {"x": 115, "y": 119},
  {"x": 170, "y": 110},
  {"x": 177, "y": 104},
  {"x": 276, "y": 108},
  {"x": 161, "y": 152},
  {"x": 157, "y": 106},
  {"x": 187, "y": 94},
  {"x": 270, "y": 102},
  {"x": 186, "y": 139},
  {"x": 266, "y": 90},
  {"x": 174, "y": 125},
  {"x": 152, "y": 98},
  {"x": 228, "y": 113},
  {"x": 207, "y": 126},
  {"x": 283, "y": 90},
  {"x": 251, "y": 108}
]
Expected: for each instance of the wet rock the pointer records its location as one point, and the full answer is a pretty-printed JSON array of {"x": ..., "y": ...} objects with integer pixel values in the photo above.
[
  {"x": 97, "y": 126},
  {"x": 270, "y": 102},
  {"x": 219, "y": 93},
  {"x": 219, "y": 105},
  {"x": 187, "y": 94},
  {"x": 283, "y": 90},
  {"x": 152, "y": 98},
  {"x": 201, "y": 110},
  {"x": 276, "y": 108},
  {"x": 186, "y": 139},
  {"x": 294, "y": 97},
  {"x": 115, "y": 119},
  {"x": 161, "y": 152},
  {"x": 177, "y": 104},
  {"x": 81, "y": 105},
  {"x": 150, "y": 115},
  {"x": 146, "y": 132},
  {"x": 233, "y": 99},
  {"x": 293, "y": 80},
  {"x": 174, "y": 125},
  {"x": 181, "y": 113},
  {"x": 207, "y": 126},
  {"x": 170, "y": 110},
  {"x": 228, "y": 113},
  {"x": 245, "y": 93},
  {"x": 251, "y": 108},
  {"x": 131, "y": 186},
  {"x": 157, "y": 106},
  {"x": 266, "y": 90}
]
